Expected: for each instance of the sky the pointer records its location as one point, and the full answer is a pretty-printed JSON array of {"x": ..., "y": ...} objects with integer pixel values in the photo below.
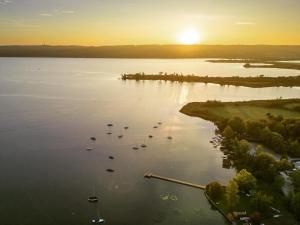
[{"x": 135, "y": 22}]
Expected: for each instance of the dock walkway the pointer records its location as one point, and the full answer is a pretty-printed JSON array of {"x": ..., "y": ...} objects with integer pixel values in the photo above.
[{"x": 151, "y": 175}]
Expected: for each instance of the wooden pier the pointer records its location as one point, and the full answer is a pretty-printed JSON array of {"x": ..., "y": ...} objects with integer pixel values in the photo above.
[{"x": 151, "y": 175}]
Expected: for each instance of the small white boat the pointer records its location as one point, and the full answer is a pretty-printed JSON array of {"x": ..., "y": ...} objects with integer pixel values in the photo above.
[
  {"x": 93, "y": 199},
  {"x": 99, "y": 220}
]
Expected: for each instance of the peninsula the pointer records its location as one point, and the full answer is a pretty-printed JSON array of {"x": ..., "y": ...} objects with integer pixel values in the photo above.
[{"x": 254, "y": 82}]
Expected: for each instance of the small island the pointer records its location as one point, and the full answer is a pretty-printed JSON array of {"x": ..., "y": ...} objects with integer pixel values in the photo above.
[
  {"x": 266, "y": 188},
  {"x": 253, "y": 82}
]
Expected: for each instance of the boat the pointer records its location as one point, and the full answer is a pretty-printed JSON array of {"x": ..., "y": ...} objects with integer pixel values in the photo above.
[
  {"x": 93, "y": 138},
  {"x": 93, "y": 199},
  {"x": 88, "y": 149},
  {"x": 111, "y": 157},
  {"x": 143, "y": 145},
  {"x": 126, "y": 128},
  {"x": 169, "y": 137},
  {"x": 159, "y": 123},
  {"x": 110, "y": 125},
  {"x": 155, "y": 127},
  {"x": 150, "y": 136},
  {"x": 135, "y": 148},
  {"x": 120, "y": 136},
  {"x": 109, "y": 133},
  {"x": 110, "y": 170},
  {"x": 98, "y": 220}
]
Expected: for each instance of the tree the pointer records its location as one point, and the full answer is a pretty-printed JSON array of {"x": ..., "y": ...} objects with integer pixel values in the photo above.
[
  {"x": 259, "y": 149},
  {"x": 279, "y": 182},
  {"x": 284, "y": 164},
  {"x": 296, "y": 180},
  {"x": 253, "y": 128},
  {"x": 237, "y": 125},
  {"x": 214, "y": 190},
  {"x": 232, "y": 196},
  {"x": 245, "y": 180},
  {"x": 277, "y": 142},
  {"x": 228, "y": 132},
  {"x": 279, "y": 128},
  {"x": 265, "y": 166},
  {"x": 244, "y": 146},
  {"x": 295, "y": 205},
  {"x": 294, "y": 148},
  {"x": 260, "y": 201},
  {"x": 266, "y": 136}
]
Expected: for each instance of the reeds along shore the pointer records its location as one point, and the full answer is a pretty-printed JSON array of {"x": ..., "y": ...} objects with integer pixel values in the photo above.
[{"x": 258, "y": 81}]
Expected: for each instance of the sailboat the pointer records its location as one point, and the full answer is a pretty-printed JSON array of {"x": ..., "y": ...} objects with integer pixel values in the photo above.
[
  {"x": 93, "y": 198},
  {"x": 98, "y": 220}
]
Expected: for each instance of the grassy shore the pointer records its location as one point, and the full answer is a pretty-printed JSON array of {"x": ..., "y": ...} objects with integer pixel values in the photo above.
[
  {"x": 272, "y": 123},
  {"x": 247, "y": 110},
  {"x": 255, "y": 82}
]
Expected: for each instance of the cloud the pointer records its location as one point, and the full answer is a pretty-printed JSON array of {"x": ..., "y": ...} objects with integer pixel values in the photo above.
[
  {"x": 64, "y": 11},
  {"x": 67, "y": 11},
  {"x": 5, "y": 2},
  {"x": 56, "y": 12},
  {"x": 45, "y": 14},
  {"x": 17, "y": 23},
  {"x": 245, "y": 23}
]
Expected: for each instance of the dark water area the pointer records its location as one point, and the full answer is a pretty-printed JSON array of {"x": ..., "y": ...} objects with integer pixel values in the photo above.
[{"x": 49, "y": 109}]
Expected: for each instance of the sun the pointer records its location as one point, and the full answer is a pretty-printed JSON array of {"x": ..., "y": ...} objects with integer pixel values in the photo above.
[{"x": 189, "y": 37}]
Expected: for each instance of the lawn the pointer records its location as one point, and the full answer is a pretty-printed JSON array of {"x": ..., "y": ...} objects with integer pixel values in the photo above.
[{"x": 251, "y": 110}]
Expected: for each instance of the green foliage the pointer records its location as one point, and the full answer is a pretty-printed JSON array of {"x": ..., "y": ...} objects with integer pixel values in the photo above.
[
  {"x": 294, "y": 148},
  {"x": 264, "y": 166},
  {"x": 245, "y": 180},
  {"x": 295, "y": 175},
  {"x": 284, "y": 164},
  {"x": 295, "y": 205},
  {"x": 244, "y": 146},
  {"x": 253, "y": 128},
  {"x": 237, "y": 125},
  {"x": 278, "y": 182},
  {"x": 260, "y": 201},
  {"x": 259, "y": 149},
  {"x": 214, "y": 190},
  {"x": 228, "y": 132},
  {"x": 278, "y": 127},
  {"x": 232, "y": 197}
]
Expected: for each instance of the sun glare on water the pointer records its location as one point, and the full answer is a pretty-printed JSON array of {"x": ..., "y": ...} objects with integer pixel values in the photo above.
[{"x": 189, "y": 37}]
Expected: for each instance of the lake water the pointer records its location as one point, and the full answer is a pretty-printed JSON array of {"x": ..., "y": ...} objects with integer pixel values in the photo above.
[{"x": 49, "y": 108}]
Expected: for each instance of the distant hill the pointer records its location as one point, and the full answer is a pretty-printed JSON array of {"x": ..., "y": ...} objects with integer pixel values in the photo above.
[{"x": 269, "y": 52}]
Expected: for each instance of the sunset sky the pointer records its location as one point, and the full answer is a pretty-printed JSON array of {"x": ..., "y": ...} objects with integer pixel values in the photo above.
[{"x": 119, "y": 22}]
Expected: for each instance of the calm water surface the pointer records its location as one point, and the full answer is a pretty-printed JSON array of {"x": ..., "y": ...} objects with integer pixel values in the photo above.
[{"x": 50, "y": 107}]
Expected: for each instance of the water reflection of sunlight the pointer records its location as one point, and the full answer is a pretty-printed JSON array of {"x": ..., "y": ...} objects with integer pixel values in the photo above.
[{"x": 183, "y": 94}]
